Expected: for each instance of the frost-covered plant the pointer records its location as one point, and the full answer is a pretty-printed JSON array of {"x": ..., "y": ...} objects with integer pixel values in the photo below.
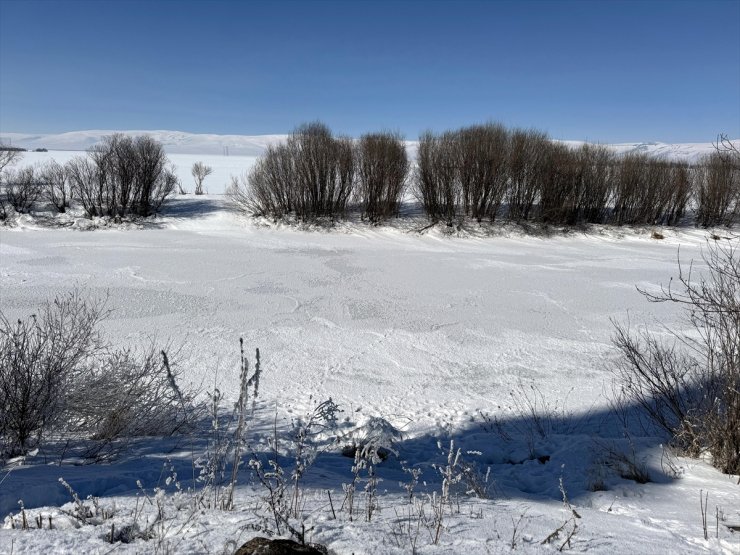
[
  {"x": 284, "y": 496},
  {"x": 451, "y": 474},
  {"x": 241, "y": 408},
  {"x": 689, "y": 385},
  {"x": 304, "y": 438},
  {"x": 127, "y": 394},
  {"x": 41, "y": 358}
]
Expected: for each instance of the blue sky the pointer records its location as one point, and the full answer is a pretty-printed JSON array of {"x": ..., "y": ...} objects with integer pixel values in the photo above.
[{"x": 608, "y": 71}]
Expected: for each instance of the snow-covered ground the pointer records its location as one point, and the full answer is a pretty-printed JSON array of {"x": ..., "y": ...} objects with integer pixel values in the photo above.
[{"x": 444, "y": 337}]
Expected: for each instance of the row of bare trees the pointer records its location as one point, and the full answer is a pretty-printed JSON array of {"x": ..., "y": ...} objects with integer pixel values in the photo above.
[
  {"x": 315, "y": 174},
  {"x": 485, "y": 171},
  {"x": 119, "y": 177}
]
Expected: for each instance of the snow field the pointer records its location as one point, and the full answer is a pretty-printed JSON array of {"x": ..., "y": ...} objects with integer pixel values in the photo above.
[{"x": 441, "y": 336}]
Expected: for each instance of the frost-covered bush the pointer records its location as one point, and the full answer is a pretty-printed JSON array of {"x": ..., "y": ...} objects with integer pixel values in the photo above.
[
  {"x": 57, "y": 374},
  {"x": 689, "y": 385},
  {"x": 126, "y": 394},
  {"x": 41, "y": 358}
]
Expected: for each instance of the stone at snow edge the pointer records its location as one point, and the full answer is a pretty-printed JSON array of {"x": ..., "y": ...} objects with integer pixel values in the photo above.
[{"x": 266, "y": 546}]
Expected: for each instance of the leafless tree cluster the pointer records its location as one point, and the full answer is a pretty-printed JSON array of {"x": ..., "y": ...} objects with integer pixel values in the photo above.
[
  {"x": 485, "y": 170},
  {"x": 718, "y": 188},
  {"x": 9, "y": 156},
  {"x": 58, "y": 375},
  {"x": 200, "y": 171},
  {"x": 437, "y": 186},
  {"x": 122, "y": 176},
  {"x": 311, "y": 175},
  {"x": 56, "y": 186},
  {"x": 382, "y": 168},
  {"x": 482, "y": 158},
  {"x": 22, "y": 188},
  {"x": 650, "y": 191},
  {"x": 689, "y": 385}
]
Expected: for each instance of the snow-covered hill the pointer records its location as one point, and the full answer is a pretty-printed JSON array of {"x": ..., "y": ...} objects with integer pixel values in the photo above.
[
  {"x": 179, "y": 142},
  {"x": 175, "y": 142}
]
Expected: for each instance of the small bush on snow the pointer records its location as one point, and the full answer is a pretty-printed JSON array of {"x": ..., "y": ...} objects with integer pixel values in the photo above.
[
  {"x": 58, "y": 374},
  {"x": 689, "y": 385}
]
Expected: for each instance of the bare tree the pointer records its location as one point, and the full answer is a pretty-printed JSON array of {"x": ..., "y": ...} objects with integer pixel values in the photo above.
[
  {"x": 200, "y": 171},
  {"x": 724, "y": 144},
  {"x": 55, "y": 181},
  {"x": 689, "y": 385},
  {"x": 482, "y": 160},
  {"x": 382, "y": 170},
  {"x": 559, "y": 182},
  {"x": 22, "y": 188},
  {"x": 718, "y": 189},
  {"x": 436, "y": 181},
  {"x": 526, "y": 165},
  {"x": 9, "y": 156},
  {"x": 325, "y": 169},
  {"x": 122, "y": 176},
  {"x": 597, "y": 182}
]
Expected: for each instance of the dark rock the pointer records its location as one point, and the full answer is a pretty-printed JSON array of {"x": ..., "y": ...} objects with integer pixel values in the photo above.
[{"x": 266, "y": 546}]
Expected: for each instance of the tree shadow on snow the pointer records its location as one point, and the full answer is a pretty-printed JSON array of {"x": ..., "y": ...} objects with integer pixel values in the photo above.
[{"x": 519, "y": 456}]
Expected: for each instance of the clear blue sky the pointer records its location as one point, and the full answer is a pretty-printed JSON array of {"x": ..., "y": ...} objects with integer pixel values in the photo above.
[{"x": 609, "y": 71}]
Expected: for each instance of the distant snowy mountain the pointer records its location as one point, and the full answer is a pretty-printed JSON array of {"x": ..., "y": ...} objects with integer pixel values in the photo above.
[
  {"x": 179, "y": 142},
  {"x": 175, "y": 142}
]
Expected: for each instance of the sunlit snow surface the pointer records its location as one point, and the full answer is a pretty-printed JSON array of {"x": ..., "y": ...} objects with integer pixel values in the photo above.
[{"x": 427, "y": 330}]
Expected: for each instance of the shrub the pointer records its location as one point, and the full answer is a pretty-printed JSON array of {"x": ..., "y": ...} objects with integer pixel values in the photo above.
[
  {"x": 22, "y": 188},
  {"x": 311, "y": 175},
  {"x": 55, "y": 183},
  {"x": 718, "y": 189},
  {"x": 199, "y": 172},
  {"x": 690, "y": 385},
  {"x": 650, "y": 191},
  {"x": 39, "y": 358},
  {"x": 559, "y": 184},
  {"x": 126, "y": 394},
  {"x": 597, "y": 183},
  {"x": 680, "y": 184},
  {"x": 437, "y": 184},
  {"x": 482, "y": 158},
  {"x": 57, "y": 374},
  {"x": 325, "y": 170},
  {"x": 526, "y": 163},
  {"x": 382, "y": 167},
  {"x": 122, "y": 176},
  {"x": 270, "y": 188}
]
